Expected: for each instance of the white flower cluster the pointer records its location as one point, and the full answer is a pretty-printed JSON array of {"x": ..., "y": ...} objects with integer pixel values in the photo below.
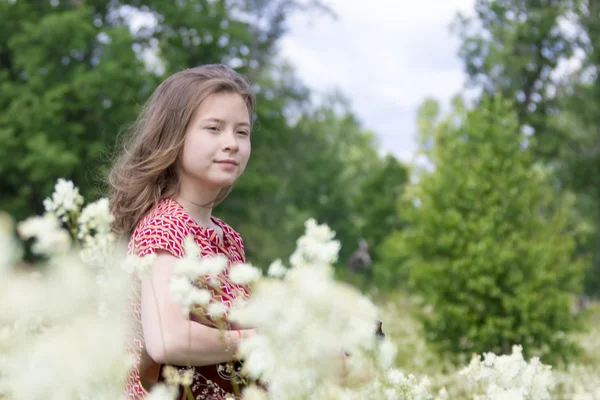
[
  {"x": 141, "y": 266},
  {"x": 49, "y": 236},
  {"x": 579, "y": 382},
  {"x": 316, "y": 247},
  {"x": 162, "y": 392},
  {"x": 90, "y": 226},
  {"x": 64, "y": 201},
  {"x": 244, "y": 274},
  {"x": 96, "y": 219},
  {"x": 277, "y": 269},
  {"x": 54, "y": 344},
  {"x": 94, "y": 232},
  {"x": 79, "y": 359},
  {"x": 395, "y": 385},
  {"x": 305, "y": 321},
  {"x": 188, "y": 269},
  {"x": 97, "y": 250},
  {"x": 206, "y": 270},
  {"x": 509, "y": 377}
]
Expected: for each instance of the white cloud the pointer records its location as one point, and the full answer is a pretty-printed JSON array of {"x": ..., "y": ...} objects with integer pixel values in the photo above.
[{"x": 385, "y": 55}]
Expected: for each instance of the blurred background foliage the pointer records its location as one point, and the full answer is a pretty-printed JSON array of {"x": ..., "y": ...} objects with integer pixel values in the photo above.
[{"x": 495, "y": 230}]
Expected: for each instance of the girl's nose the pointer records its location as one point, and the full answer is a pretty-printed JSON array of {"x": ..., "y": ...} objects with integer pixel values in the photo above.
[{"x": 231, "y": 143}]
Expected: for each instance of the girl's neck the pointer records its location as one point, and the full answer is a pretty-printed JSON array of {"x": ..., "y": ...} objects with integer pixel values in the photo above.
[{"x": 195, "y": 204}]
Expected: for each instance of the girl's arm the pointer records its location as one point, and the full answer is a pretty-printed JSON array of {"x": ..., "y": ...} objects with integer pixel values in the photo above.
[{"x": 170, "y": 337}]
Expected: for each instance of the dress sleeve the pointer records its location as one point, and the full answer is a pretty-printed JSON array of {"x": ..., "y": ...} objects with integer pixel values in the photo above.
[{"x": 160, "y": 233}]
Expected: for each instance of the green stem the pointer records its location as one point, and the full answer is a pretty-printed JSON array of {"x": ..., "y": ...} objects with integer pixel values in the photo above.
[
  {"x": 189, "y": 393},
  {"x": 234, "y": 382},
  {"x": 72, "y": 227}
]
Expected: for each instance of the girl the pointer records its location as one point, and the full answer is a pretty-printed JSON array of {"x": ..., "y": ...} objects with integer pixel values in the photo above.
[{"x": 186, "y": 150}]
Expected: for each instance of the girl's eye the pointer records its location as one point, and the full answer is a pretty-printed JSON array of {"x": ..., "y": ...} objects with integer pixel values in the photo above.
[
  {"x": 244, "y": 133},
  {"x": 212, "y": 128}
]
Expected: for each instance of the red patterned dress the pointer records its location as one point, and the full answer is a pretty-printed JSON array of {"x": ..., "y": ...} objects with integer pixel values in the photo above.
[{"x": 165, "y": 228}]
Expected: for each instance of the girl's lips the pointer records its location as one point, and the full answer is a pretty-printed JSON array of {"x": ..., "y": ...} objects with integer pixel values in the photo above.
[
  {"x": 232, "y": 162},
  {"x": 227, "y": 164}
]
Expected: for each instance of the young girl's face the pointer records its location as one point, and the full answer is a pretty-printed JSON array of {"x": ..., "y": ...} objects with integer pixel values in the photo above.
[{"x": 217, "y": 142}]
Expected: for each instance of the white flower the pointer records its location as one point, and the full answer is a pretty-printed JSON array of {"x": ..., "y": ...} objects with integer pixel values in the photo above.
[
  {"x": 243, "y": 274},
  {"x": 276, "y": 269},
  {"x": 192, "y": 250},
  {"x": 257, "y": 359},
  {"x": 52, "y": 358},
  {"x": 387, "y": 354},
  {"x": 185, "y": 293},
  {"x": 175, "y": 377},
  {"x": 142, "y": 266},
  {"x": 391, "y": 394},
  {"x": 409, "y": 386},
  {"x": 64, "y": 200},
  {"x": 308, "y": 308},
  {"x": 194, "y": 266},
  {"x": 162, "y": 392},
  {"x": 316, "y": 246},
  {"x": 96, "y": 251},
  {"x": 213, "y": 265},
  {"x": 510, "y": 376},
  {"x": 190, "y": 264},
  {"x": 49, "y": 237},
  {"x": 187, "y": 267},
  {"x": 254, "y": 393},
  {"x": 320, "y": 233},
  {"x": 95, "y": 218},
  {"x": 181, "y": 288},
  {"x": 102, "y": 309},
  {"x": 200, "y": 297},
  {"x": 217, "y": 310},
  {"x": 442, "y": 394}
]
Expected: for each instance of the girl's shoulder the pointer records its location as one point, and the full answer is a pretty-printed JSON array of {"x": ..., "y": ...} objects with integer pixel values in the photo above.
[{"x": 164, "y": 227}]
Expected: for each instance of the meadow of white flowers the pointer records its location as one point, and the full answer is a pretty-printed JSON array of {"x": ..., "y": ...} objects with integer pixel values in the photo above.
[{"x": 63, "y": 324}]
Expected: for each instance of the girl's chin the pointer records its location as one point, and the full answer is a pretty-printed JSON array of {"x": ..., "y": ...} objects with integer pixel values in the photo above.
[
  {"x": 215, "y": 181},
  {"x": 218, "y": 184}
]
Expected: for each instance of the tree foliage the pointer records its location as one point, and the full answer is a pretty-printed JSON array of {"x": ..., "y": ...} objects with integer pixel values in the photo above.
[
  {"x": 514, "y": 46},
  {"x": 489, "y": 242},
  {"x": 522, "y": 48},
  {"x": 67, "y": 85}
]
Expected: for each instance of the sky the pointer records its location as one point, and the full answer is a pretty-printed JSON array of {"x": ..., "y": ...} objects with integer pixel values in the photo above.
[{"x": 386, "y": 56}]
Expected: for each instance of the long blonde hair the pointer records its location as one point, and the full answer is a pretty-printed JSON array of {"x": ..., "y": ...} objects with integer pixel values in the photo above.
[{"x": 146, "y": 171}]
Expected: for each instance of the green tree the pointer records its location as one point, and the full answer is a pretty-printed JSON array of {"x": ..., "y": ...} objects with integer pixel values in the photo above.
[
  {"x": 379, "y": 215},
  {"x": 513, "y": 47},
  {"x": 489, "y": 242},
  {"x": 67, "y": 85},
  {"x": 375, "y": 206},
  {"x": 333, "y": 156},
  {"x": 579, "y": 118},
  {"x": 516, "y": 46}
]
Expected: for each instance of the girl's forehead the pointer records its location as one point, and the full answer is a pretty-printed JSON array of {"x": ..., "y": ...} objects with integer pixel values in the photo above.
[{"x": 223, "y": 106}]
